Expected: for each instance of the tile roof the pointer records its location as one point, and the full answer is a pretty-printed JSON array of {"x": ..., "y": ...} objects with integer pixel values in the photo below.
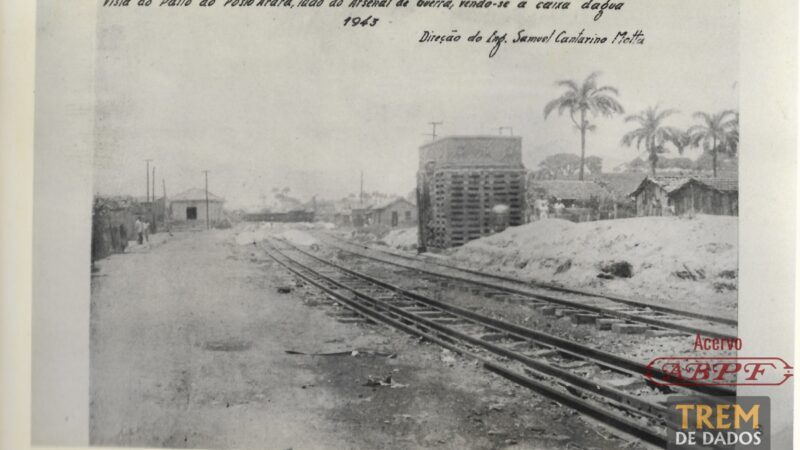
[
  {"x": 671, "y": 184},
  {"x": 721, "y": 184},
  {"x": 571, "y": 189},
  {"x": 620, "y": 184}
]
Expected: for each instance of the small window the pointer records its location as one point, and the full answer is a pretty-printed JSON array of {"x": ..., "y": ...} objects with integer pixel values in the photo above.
[{"x": 191, "y": 213}]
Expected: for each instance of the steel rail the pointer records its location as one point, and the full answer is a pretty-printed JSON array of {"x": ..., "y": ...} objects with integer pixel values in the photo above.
[
  {"x": 597, "y": 356},
  {"x": 587, "y": 407},
  {"x": 543, "y": 285},
  {"x": 597, "y": 309}
]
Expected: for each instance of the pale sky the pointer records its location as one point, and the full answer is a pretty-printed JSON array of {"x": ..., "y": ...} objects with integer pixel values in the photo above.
[{"x": 267, "y": 98}]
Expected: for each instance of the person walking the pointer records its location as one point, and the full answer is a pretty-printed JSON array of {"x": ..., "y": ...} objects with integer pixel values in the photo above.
[
  {"x": 139, "y": 227},
  {"x": 146, "y": 231}
]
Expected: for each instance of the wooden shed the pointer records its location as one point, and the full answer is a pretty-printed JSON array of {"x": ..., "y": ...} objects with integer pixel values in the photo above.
[
  {"x": 707, "y": 196},
  {"x": 398, "y": 212},
  {"x": 687, "y": 194}
]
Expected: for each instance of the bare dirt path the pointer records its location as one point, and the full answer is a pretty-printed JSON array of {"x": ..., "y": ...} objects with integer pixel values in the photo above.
[{"x": 188, "y": 349}]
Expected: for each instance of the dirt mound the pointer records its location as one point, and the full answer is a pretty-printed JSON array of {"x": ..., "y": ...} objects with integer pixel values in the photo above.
[
  {"x": 690, "y": 260},
  {"x": 402, "y": 239}
]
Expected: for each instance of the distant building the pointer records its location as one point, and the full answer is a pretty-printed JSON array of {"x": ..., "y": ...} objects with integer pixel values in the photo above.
[
  {"x": 394, "y": 213},
  {"x": 190, "y": 206},
  {"x": 681, "y": 195},
  {"x": 568, "y": 192},
  {"x": 295, "y": 215},
  {"x": 619, "y": 185},
  {"x": 359, "y": 217},
  {"x": 461, "y": 179}
]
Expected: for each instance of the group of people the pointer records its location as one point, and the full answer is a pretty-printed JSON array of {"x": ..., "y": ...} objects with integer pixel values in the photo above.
[
  {"x": 542, "y": 209},
  {"x": 142, "y": 230}
]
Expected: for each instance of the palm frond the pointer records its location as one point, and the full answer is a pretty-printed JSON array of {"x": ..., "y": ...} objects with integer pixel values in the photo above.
[
  {"x": 551, "y": 105},
  {"x": 703, "y": 116},
  {"x": 664, "y": 114},
  {"x": 569, "y": 84}
]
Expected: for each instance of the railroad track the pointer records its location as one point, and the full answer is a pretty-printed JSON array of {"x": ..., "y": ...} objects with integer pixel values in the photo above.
[
  {"x": 656, "y": 317},
  {"x": 604, "y": 386}
]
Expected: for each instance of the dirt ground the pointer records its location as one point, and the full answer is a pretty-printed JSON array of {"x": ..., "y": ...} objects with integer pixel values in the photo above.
[{"x": 188, "y": 349}]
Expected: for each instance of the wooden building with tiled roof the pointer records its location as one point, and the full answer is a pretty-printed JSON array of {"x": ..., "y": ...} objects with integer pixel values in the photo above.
[
  {"x": 568, "y": 192},
  {"x": 687, "y": 195}
]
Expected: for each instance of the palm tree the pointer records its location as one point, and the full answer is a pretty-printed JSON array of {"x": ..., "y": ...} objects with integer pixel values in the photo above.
[
  {"x": 718, "y": 133},
  {"x": 580, "y": 99},
  {"x": 653, "y": 134}
]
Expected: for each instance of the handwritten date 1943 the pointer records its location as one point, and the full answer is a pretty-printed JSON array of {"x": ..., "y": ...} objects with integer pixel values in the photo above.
[{"x": 368, "y": 21}]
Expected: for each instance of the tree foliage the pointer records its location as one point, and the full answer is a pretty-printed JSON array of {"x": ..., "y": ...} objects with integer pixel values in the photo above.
[
  {"x": 716, "y": 134},
  {"x": 566, "y": 165},
  {"x": 652, "y": 136},
  {"x": 584, "y": 100}
]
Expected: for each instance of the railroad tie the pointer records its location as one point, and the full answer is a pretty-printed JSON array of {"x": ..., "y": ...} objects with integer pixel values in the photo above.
[
  {"x": 628, "y": 328},
  {"x": 606, "y": 323},
  {"x": 663, "y": 333},
  {"x": 548, "y": 311},
  {"x": 566, "y": 312},
  {"x": 584, "y": 318}
]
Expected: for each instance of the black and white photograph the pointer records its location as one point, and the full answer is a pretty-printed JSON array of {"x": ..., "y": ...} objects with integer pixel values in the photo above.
[{"x": 378, "y": 225}]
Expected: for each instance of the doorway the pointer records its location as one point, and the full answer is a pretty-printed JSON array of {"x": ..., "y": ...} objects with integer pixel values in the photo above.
[
  {"x": 394, "y": 218},
  {"x": 191, "y": 213}
]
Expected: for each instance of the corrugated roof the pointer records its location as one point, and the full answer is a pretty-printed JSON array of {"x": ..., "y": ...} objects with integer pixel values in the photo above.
[{"x": 195, "y": 195}]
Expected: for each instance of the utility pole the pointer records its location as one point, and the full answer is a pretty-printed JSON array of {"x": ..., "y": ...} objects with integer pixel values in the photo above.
[
  {"x": 361, "y": 191},
  {"x": 207, "y": 225},
  {"x": 433, "y": 133},
  {"x": 153, "y": 203},
  {"x": 510, "y": 130},
  {"x": 147, "y": 185},
  {"x": 164, "y": 193}
]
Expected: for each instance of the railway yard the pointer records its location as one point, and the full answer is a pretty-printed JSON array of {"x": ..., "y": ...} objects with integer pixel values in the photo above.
[{"x": 302, "y": 337}]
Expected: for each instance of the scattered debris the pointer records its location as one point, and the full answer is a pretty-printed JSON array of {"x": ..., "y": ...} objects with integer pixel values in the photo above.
[
  {"x": 689, "y": 274},
  {"x": 447, "y": 356},
  {"x": 294, "y": 352},
  {"x": 729, "y": 274},
  {"x": 383, "y": 382},
  {"x": 353, "y": 353},
  {"x": 723, "y": 286},
  {"x": 284, "y": 289},
  {"x": 565, "y": 266},
  {"x": 622, "y": 269},
  {"x": 230, "y": 345}
]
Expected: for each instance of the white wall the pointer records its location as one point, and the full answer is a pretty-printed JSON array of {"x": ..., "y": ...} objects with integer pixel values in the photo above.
[{"x": 178, "y": 210}]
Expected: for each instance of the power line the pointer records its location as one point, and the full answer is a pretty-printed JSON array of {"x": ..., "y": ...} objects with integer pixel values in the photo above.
[
  {"x": 207, "y": 225},
  {"x": 433, "y": 132},
  {"x": 147, "y": 183}
]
